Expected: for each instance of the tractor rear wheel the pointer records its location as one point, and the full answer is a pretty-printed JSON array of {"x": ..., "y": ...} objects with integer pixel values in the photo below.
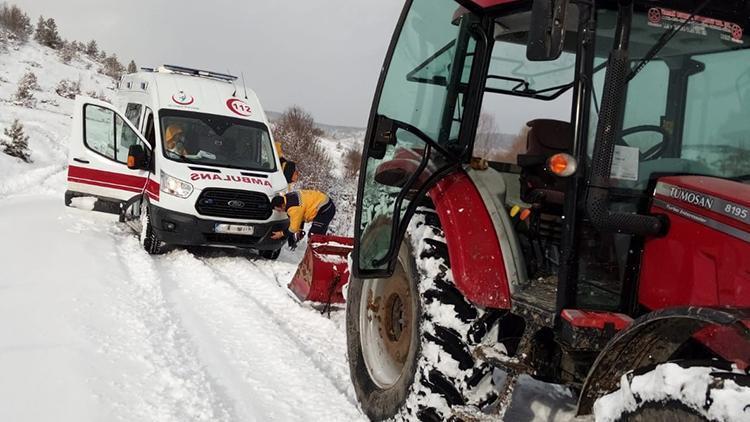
[{"x": 410, "y": 337}]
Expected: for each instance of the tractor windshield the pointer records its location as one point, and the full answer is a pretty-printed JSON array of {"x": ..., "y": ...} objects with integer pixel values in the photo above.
[{"x": 686, "y": 109}]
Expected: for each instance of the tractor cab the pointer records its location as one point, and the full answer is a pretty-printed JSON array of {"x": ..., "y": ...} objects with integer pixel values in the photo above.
[{"x": 571, "y": 171}]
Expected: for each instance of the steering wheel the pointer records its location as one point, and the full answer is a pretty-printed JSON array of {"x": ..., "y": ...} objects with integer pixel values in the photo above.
[{"x": 656, "y": 150}]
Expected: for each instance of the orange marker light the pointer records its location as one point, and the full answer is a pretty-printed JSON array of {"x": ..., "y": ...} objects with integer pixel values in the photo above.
[
  {"x": 562, "y": 164},
  {"x": 525, "y": 214},
  {"x": 131, "y": 161}
]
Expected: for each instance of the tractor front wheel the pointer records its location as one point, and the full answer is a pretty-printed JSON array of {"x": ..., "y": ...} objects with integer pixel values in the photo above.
[{"x": 410, "y": 336}]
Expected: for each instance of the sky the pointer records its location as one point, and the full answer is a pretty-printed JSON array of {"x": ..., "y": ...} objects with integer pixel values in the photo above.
[{"x": 323, "y": 55}]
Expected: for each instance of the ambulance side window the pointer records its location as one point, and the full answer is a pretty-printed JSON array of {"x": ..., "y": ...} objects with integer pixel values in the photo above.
[
  {"x": 107, "y": 134},
  {"x": 99, "y": 133},
  {"x": 148, "y": 129},
  {"x": 125, "y": 137},
  {"x": 133, "y": 113}
]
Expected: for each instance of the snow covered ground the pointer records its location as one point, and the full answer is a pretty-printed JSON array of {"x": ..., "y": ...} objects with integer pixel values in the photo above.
[{"x": 94, "y": 329}]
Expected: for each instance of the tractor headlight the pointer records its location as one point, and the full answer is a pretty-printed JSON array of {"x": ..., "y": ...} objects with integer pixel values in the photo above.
[{"x": 174, "y": 186}]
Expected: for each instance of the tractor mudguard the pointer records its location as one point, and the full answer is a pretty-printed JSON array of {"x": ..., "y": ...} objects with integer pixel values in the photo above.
[
  {"x": 474, "y": 250},
  {"x": 652, "y": 339}
]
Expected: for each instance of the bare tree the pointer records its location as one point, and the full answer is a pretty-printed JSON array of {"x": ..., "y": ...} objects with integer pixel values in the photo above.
[
  {"x": 112, "y": 67},
  {"x": 509, "y": 152},
  {"x": 297, "y": 132},
  {"x": 486, "y": 135},
  {"x": 16, "y": 22},
  {"x": 352, "y": 162},
  {"x": 68, "y": 52}
]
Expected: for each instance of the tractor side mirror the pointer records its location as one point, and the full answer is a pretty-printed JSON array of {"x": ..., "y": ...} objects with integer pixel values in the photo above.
[
  {"x": 137, "y": 158},
  {"x": 547, "y": 30}
]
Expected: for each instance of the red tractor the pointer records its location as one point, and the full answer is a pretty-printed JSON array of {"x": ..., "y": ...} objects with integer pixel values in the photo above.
[{"x": 603, "y": 244}]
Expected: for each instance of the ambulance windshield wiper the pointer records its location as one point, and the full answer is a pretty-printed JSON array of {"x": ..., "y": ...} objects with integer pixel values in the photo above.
[{"x": 665, "y": 38}]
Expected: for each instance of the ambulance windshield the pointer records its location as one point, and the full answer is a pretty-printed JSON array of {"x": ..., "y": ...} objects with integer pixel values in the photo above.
[{"x": 213, "y": 140}]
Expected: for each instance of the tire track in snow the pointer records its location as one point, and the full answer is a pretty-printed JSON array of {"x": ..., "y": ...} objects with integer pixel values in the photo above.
[
  {"x": 299, "y": 323},
  {"x": 278, "y": 375},
  {"x": 29, "y": 181},
  {"x": 178, "y": 388}
]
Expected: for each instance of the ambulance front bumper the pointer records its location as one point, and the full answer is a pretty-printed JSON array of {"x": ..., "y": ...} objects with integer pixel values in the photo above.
[{"x": 186, "y": 230}]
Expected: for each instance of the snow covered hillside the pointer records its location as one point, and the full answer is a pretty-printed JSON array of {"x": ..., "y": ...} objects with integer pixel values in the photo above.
[{"x": 47, "y": 125}]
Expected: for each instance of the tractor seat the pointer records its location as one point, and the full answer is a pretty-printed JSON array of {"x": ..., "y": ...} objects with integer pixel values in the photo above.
[{"x": 546, "y": 137}]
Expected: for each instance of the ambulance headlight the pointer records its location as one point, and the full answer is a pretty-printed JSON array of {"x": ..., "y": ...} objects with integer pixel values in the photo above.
[{"x": 175, "y": 187}]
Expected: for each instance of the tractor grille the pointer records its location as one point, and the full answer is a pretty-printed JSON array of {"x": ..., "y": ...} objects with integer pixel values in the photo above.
[{"x": 229, "y": 203}]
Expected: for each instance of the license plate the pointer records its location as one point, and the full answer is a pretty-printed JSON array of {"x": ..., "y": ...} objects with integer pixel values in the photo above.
[{"x": 234, "y": 229}]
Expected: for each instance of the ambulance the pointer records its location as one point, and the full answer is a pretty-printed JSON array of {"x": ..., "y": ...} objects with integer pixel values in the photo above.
[{"x": 184, "y": 156}]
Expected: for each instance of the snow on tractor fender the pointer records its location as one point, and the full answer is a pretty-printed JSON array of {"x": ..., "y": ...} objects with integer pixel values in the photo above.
[
  {"x": 324, "y": 269},
  {"x": 654, "y": 337}
]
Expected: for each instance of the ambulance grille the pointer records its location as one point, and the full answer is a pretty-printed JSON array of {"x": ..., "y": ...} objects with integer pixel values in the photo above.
[{"x": 230, "y": 203}]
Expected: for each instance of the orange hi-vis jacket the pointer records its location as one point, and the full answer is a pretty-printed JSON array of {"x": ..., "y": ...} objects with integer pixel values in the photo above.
[{"x": 303, "y": 206}]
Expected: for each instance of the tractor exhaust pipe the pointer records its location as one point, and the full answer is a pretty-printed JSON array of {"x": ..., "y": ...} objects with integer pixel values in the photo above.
[{"x": 608, "y": 128}]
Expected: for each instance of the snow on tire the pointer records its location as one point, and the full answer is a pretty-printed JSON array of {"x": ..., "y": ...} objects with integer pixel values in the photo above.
[
  {"x": 148, "y": 237},
  {"x": 670, "y": 392},
  {"x": 410, "y": 337}
]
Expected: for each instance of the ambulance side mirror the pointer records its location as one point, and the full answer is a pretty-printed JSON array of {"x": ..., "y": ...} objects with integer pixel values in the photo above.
[
  {"x": 137, "y": 158},
  {"x": 547, "y": 30}
]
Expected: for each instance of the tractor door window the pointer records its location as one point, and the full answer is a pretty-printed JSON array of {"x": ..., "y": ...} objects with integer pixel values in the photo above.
[
  {"x": 717, "y": 128},
  {"x": 420, "y": 107},
  {"x": 519, "y": 91}
]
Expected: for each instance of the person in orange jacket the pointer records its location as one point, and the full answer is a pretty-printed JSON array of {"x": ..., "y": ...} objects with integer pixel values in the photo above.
[
  {"x": 174, "y": 140},
  {"x": 304, "y": 206}
]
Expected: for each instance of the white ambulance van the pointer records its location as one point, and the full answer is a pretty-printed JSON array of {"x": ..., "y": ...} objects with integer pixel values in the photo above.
[{"x": 185, "y": 156}]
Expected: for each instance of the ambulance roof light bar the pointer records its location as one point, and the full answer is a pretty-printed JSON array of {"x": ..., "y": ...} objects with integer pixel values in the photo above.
[{"x": 168, "y": 68}]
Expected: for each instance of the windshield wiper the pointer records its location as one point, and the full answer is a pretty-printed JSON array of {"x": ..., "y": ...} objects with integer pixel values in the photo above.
[{"x": 666, "y": 37}]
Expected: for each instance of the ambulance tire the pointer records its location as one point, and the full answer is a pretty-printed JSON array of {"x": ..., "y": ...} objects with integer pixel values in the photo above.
[
  {"x": 270, "y": 255},
  {"x": 149, "y": 239}
]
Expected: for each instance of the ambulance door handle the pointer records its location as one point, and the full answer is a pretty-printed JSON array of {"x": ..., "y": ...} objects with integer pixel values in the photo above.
[{"x": 78, "y": 160}]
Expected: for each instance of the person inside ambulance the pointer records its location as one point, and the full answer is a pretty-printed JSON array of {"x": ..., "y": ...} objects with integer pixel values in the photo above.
[
  {"x": 304, "y": 206},
  {"x": 174, "y": 145},
  {"x": 174, "y": 141}
]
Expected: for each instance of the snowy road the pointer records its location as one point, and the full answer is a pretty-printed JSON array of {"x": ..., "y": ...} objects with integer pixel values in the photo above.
[{"x": 110, "y": 333}]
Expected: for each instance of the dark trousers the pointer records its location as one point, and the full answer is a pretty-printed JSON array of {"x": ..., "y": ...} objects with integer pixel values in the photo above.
[{"x": 321, "y": 221}]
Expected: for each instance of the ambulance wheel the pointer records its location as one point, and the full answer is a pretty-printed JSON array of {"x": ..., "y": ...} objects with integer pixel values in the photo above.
[
  {"x": 410, "y": 337},
  {"x": 148, "y": 237},
  {"x": 270, "y": 255}
]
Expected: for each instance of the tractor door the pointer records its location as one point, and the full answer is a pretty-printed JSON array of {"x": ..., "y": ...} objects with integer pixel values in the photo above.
[
  {"x": 417, "y": 129},
  {"x": 101, "y": 139}
]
